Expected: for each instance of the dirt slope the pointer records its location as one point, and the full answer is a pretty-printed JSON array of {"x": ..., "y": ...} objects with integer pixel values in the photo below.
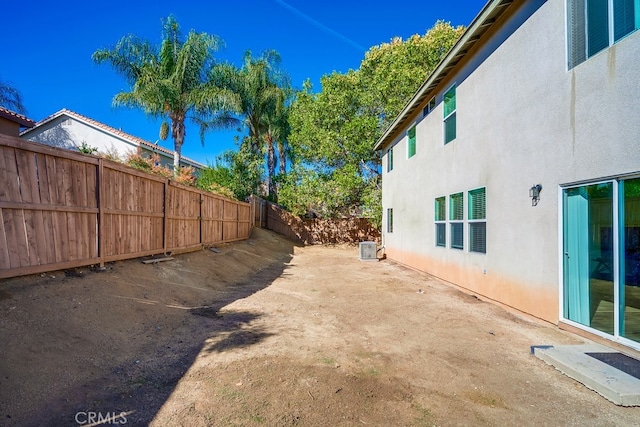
[{"x": 265, "y": 333}]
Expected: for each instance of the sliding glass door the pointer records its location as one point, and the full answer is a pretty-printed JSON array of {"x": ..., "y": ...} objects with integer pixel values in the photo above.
[
  {"x": 630, "y": 259},
  {"x": 601, "y": 283}
]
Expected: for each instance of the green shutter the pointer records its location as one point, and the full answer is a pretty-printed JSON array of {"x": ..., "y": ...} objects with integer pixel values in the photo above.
[
  {"x": 457, "y": 235},
  {"x": 441, "y": 234},
  {"x": 440, "y": 209},
  {"x": 450, "y": 128},
  {"x": 412, "y": 142},
  {"x": 625, "y": 14},
  {"x": 450, "y": 101},
  {"x": 477, "y": 204},
  {"x": 478, "y": 237},
  {"x": 450, "y": 115},
  {"x": 456, "y": 208},
  {"x": 597, "y": 25},
  {"x": 577, "y": 35}
]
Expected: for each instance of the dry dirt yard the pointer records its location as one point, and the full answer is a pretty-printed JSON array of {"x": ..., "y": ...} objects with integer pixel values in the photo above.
[{"x": 268, "y": 333}]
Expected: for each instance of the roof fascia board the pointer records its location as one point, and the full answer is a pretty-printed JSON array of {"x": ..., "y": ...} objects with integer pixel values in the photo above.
[{"x": 480, "y": 21}]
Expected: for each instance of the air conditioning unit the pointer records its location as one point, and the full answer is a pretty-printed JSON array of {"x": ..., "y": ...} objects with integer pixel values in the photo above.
[{"x": 368, "y": 251}]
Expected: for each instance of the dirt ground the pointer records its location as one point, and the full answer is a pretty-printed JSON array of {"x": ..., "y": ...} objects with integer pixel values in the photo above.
[{"x": 268, "y": 333}]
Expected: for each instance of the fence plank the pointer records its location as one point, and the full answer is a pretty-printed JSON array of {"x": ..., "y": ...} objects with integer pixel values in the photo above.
[{"x": 5, "y": 262}]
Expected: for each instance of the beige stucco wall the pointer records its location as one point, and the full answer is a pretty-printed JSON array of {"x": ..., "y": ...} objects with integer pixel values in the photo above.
[{"x": 522, "y": 119}]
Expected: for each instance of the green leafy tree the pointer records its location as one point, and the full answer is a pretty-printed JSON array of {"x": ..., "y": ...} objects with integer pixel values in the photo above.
[
  {"x": 237, "y": 171},
  {"x": 392, "y": 72},
  {"x": 170, "y": 82},
  {"x": 262, "y": 89},
  {"x": 11, "y": 98},
  {"x": 333, "y": 131}
]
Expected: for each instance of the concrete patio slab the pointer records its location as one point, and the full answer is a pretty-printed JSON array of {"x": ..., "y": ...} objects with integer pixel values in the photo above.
[{"x": 573, "y": 361}]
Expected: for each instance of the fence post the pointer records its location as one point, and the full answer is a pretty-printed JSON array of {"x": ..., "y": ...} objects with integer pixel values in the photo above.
[
  {"x": 164, "y": 216},
  {"x": 100, "y": 201},
  {"x": 200, "y": 221}
]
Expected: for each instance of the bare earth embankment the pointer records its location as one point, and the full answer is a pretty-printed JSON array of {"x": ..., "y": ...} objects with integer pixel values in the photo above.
[{"x": 265, "y": 333}]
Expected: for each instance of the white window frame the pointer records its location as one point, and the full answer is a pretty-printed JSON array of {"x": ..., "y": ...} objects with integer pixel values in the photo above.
[
  {"x": 440, "y": 222},
  {"x": 415, "y": 141},
  {"x": 476, "y": 221},
  {"x": 431, "y": 105},
  {"x": 451, "y": 114},
  {"x": 456, "y": 221},
  {"x": 571, "y": 63}
]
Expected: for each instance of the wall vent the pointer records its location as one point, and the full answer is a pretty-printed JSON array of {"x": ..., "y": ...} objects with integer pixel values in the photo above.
[{"x": 368, "y": 251}]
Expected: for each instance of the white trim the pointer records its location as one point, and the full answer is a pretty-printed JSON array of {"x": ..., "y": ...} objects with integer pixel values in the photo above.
[
  {"x": 445, "y": 118},
  {"x": 616, "y": 260},
  {"x": 561, "y": 252},
  {"x": 615, "y": 337},
  {"x": 436, "y": 222},
  {"x": 476, "y": 221}
]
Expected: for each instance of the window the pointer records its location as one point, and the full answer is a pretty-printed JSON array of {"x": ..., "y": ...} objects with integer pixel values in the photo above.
[
  {"x": 456, "y": 217},
  {"x": 477, "y": 221},
  {"x": 390, "y": 220},
  {"x": 390, "y": 160},
  {"x": 450, "y": 115},
  {"x": 411, "y": 144},
  {"x": 440, "y": 219},
  {"x": 429, "y": 107},
  {"x": 597, "y": 24}
]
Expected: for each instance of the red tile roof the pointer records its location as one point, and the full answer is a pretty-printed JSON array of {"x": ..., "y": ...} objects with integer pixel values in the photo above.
[
  {"x": 134, "y": 139},
  {"x": 15, "y": 117}
]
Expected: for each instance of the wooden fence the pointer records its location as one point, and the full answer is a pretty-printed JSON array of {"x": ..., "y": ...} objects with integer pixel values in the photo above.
[
  {"x": 60, "y": 209},
  {"x": 312, "y": 231}
]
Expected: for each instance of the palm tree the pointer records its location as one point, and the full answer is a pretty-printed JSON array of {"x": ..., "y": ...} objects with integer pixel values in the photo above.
[
  {"x": 170, "y": 82},
  {"x": 276, "y": 123},
  {"x": 262, "y": 90},
  {"x": 11, "y": 98}
]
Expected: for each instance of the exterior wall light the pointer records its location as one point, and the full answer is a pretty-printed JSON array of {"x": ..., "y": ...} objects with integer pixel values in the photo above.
[{"x": 534, "y": 193}]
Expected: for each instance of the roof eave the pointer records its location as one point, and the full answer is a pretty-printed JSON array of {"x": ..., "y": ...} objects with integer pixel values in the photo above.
[{"x": 481, "y": 23}]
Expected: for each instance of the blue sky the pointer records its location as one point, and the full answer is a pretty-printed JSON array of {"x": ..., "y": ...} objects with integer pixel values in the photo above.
[{"x": 48, "y": 47}]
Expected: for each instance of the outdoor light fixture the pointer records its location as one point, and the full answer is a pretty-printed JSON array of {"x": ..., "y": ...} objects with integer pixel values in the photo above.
[{"x": 534, "y": 193}]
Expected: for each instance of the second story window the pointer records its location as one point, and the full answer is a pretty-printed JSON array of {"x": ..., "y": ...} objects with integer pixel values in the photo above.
[
  {"x": 429, "y": 107},
  {"x": 450, "y": 115},
  {"x": 411, "y": 143},
  {"x": 595, "y": 25}
]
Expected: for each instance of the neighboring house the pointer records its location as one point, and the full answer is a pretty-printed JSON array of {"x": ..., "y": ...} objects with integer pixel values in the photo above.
[
  {"x": 514, "y": 171},
  {"x": 68, "y": 129},
  {"x": 11, "y": 122}
]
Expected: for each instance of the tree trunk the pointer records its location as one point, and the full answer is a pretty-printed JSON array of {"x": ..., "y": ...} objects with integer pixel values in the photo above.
[
  {"x": 271, "y": 166},
  {"x": 282, "y": 157},
  {"x": 178, "y": 133}
]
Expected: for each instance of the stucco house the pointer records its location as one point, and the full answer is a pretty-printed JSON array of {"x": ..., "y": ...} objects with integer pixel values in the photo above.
[
  {"x": 11, "y": 123},
  {"x": 514, "y": 171},
  {"x": 68, "y": 129}
]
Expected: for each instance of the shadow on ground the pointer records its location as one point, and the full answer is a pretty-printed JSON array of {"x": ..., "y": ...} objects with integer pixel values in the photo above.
[{"x": 115, "y": 344}]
